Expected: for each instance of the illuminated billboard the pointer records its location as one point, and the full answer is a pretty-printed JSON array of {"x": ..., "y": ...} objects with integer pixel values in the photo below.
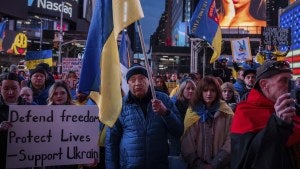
[
  {"x": 246, "y": 14},
  {"x": 290, "y": 19},
  {"x": 54, "y": 8}
]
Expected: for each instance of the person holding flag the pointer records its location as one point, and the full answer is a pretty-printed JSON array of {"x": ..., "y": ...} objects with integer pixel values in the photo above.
[
  {"x": 101, "y": 58},
  {"x": 139, "y": 137}
]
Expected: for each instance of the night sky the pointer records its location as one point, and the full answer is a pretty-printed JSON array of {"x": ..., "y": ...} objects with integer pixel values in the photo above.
[{"x": 152, "y": 12}]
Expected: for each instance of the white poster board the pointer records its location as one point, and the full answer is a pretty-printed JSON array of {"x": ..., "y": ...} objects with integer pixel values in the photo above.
[
  {"x": 241, "y": 50},
  {"x": 52, "y": 135},
  {"x": 71, "y": 64}
]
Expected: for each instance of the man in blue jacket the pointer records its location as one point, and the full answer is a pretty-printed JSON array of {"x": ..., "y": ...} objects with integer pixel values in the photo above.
[{"x": 138, "y": 139}]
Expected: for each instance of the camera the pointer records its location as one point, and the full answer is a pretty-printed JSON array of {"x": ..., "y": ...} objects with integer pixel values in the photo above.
[{"x": 294, "y": 89}]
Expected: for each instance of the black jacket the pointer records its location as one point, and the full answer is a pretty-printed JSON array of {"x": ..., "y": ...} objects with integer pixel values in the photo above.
[{"x": 263, "y": 150}]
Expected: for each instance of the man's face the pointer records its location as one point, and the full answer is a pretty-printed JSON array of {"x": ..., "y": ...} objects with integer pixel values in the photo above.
[
  {"x": 138, "y": 85},
  {"x": 10, "y": 91},
  {"x": 250, "y": 80},
  {"x": 276, "y": 85},
  {"x": 38, "y": 80}
]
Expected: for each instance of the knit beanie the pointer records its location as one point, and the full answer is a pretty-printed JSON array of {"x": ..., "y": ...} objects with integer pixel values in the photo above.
[
  {"x": 136, "y": 70},
  {"x": 38, "y": 70},
  {"x": 248, "y": 71}
]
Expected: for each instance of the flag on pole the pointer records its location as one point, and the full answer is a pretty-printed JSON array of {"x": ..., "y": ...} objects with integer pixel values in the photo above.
[
  {"x": 101, "y": 57},
  {"x": 124, "y": 60},
  {"x": 2, "y": 29},
  {"x": 205, "y": 24}
]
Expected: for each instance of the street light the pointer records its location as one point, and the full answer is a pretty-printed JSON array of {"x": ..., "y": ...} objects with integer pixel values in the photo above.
[{"x": 41, "y": 28}]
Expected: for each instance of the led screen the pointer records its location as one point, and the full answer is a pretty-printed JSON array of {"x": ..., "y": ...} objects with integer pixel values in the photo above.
[
  {"x": 246, "y": 14},
  {"x": 53, "y": 8}
]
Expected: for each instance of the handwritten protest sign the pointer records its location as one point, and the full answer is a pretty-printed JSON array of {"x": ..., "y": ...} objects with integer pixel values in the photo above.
[
  {"x": 52, "y": 135},
  {"x": 241, "y": 50},
  {"x": 71, "y": 64}
]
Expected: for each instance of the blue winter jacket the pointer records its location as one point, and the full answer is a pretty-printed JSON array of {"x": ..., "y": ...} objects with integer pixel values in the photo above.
[
  {"x": 139, "y": 140},
  {"x": 240, "y": 87}
]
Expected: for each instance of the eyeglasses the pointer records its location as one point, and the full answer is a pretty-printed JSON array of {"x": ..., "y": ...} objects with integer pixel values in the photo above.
[{"x": 280, "y": 66}]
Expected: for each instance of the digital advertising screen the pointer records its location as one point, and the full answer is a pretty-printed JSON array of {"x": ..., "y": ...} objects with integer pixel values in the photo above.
[
  {"x": 54, "y": 8},
  {"x": 246, "y": 14}
]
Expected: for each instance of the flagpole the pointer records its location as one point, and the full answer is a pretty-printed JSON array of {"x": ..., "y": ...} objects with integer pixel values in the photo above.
[{"x": 149, "y": 72}]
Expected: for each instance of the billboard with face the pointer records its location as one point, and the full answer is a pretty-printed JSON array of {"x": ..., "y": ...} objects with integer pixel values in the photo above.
[{"x": 242, "y": 13}]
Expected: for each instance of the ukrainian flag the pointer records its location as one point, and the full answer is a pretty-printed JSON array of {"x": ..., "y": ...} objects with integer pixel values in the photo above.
[
  {"x": 101, "y": 57},
  {"x": 204, "y": 24},
  {"x": 33, "y": 58}
]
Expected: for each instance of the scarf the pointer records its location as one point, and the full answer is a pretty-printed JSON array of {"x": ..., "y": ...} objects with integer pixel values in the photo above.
[
  {"x": 192, "y": 116},
  {"x": 253, "y": 114},
  {"x": 206, "y": 113}
]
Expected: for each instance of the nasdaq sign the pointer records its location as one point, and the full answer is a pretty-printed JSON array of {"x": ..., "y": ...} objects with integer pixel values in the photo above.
[{"x": 54, "y": 8}]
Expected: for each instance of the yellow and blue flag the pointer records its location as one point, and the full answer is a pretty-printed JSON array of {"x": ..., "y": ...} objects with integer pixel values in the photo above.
[
  {"x": 2, "y": 29},
  {"x": 33, "y": 58},
  {"x": 101, "y": 66},
  {"x": 204, "y": 24}
]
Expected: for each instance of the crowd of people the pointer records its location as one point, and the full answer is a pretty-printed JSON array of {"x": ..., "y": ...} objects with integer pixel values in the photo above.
[
  {"x": 37, "y": 88},
  {"x": 210, "y": 122}
]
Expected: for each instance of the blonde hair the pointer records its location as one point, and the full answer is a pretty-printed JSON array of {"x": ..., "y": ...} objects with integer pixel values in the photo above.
[
  {"x": 63, "y": 84},
  {"x": 182, "y": 86}
]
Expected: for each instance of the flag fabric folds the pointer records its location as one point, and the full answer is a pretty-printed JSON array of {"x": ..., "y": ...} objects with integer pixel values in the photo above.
[
  {"x": 204, "y": 24},
  {"x": 33, "y": 58},
  {"x": 2, "y": 28},
  {"x": 124, "y": 61},
  {"x": 101, "y": 57}
]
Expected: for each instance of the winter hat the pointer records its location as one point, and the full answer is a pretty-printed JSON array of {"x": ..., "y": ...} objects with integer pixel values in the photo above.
[
  {"x": 136, "y": 70},
  {"x": 38, "y": 70},
  {"x": 248, "y": 71},
  {"x": 45, "y": 66},
  {"x": 9, "y": 76},
  {"x": 271, "y": 68},
  {"x": 227, "y": 85}
]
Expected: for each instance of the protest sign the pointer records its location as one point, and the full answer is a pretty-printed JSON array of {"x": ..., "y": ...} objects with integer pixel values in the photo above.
[
  {"x": 52, "y": 135},
  {"x": 241, "y": 50},
  {"x": 71, "y": 64}
]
